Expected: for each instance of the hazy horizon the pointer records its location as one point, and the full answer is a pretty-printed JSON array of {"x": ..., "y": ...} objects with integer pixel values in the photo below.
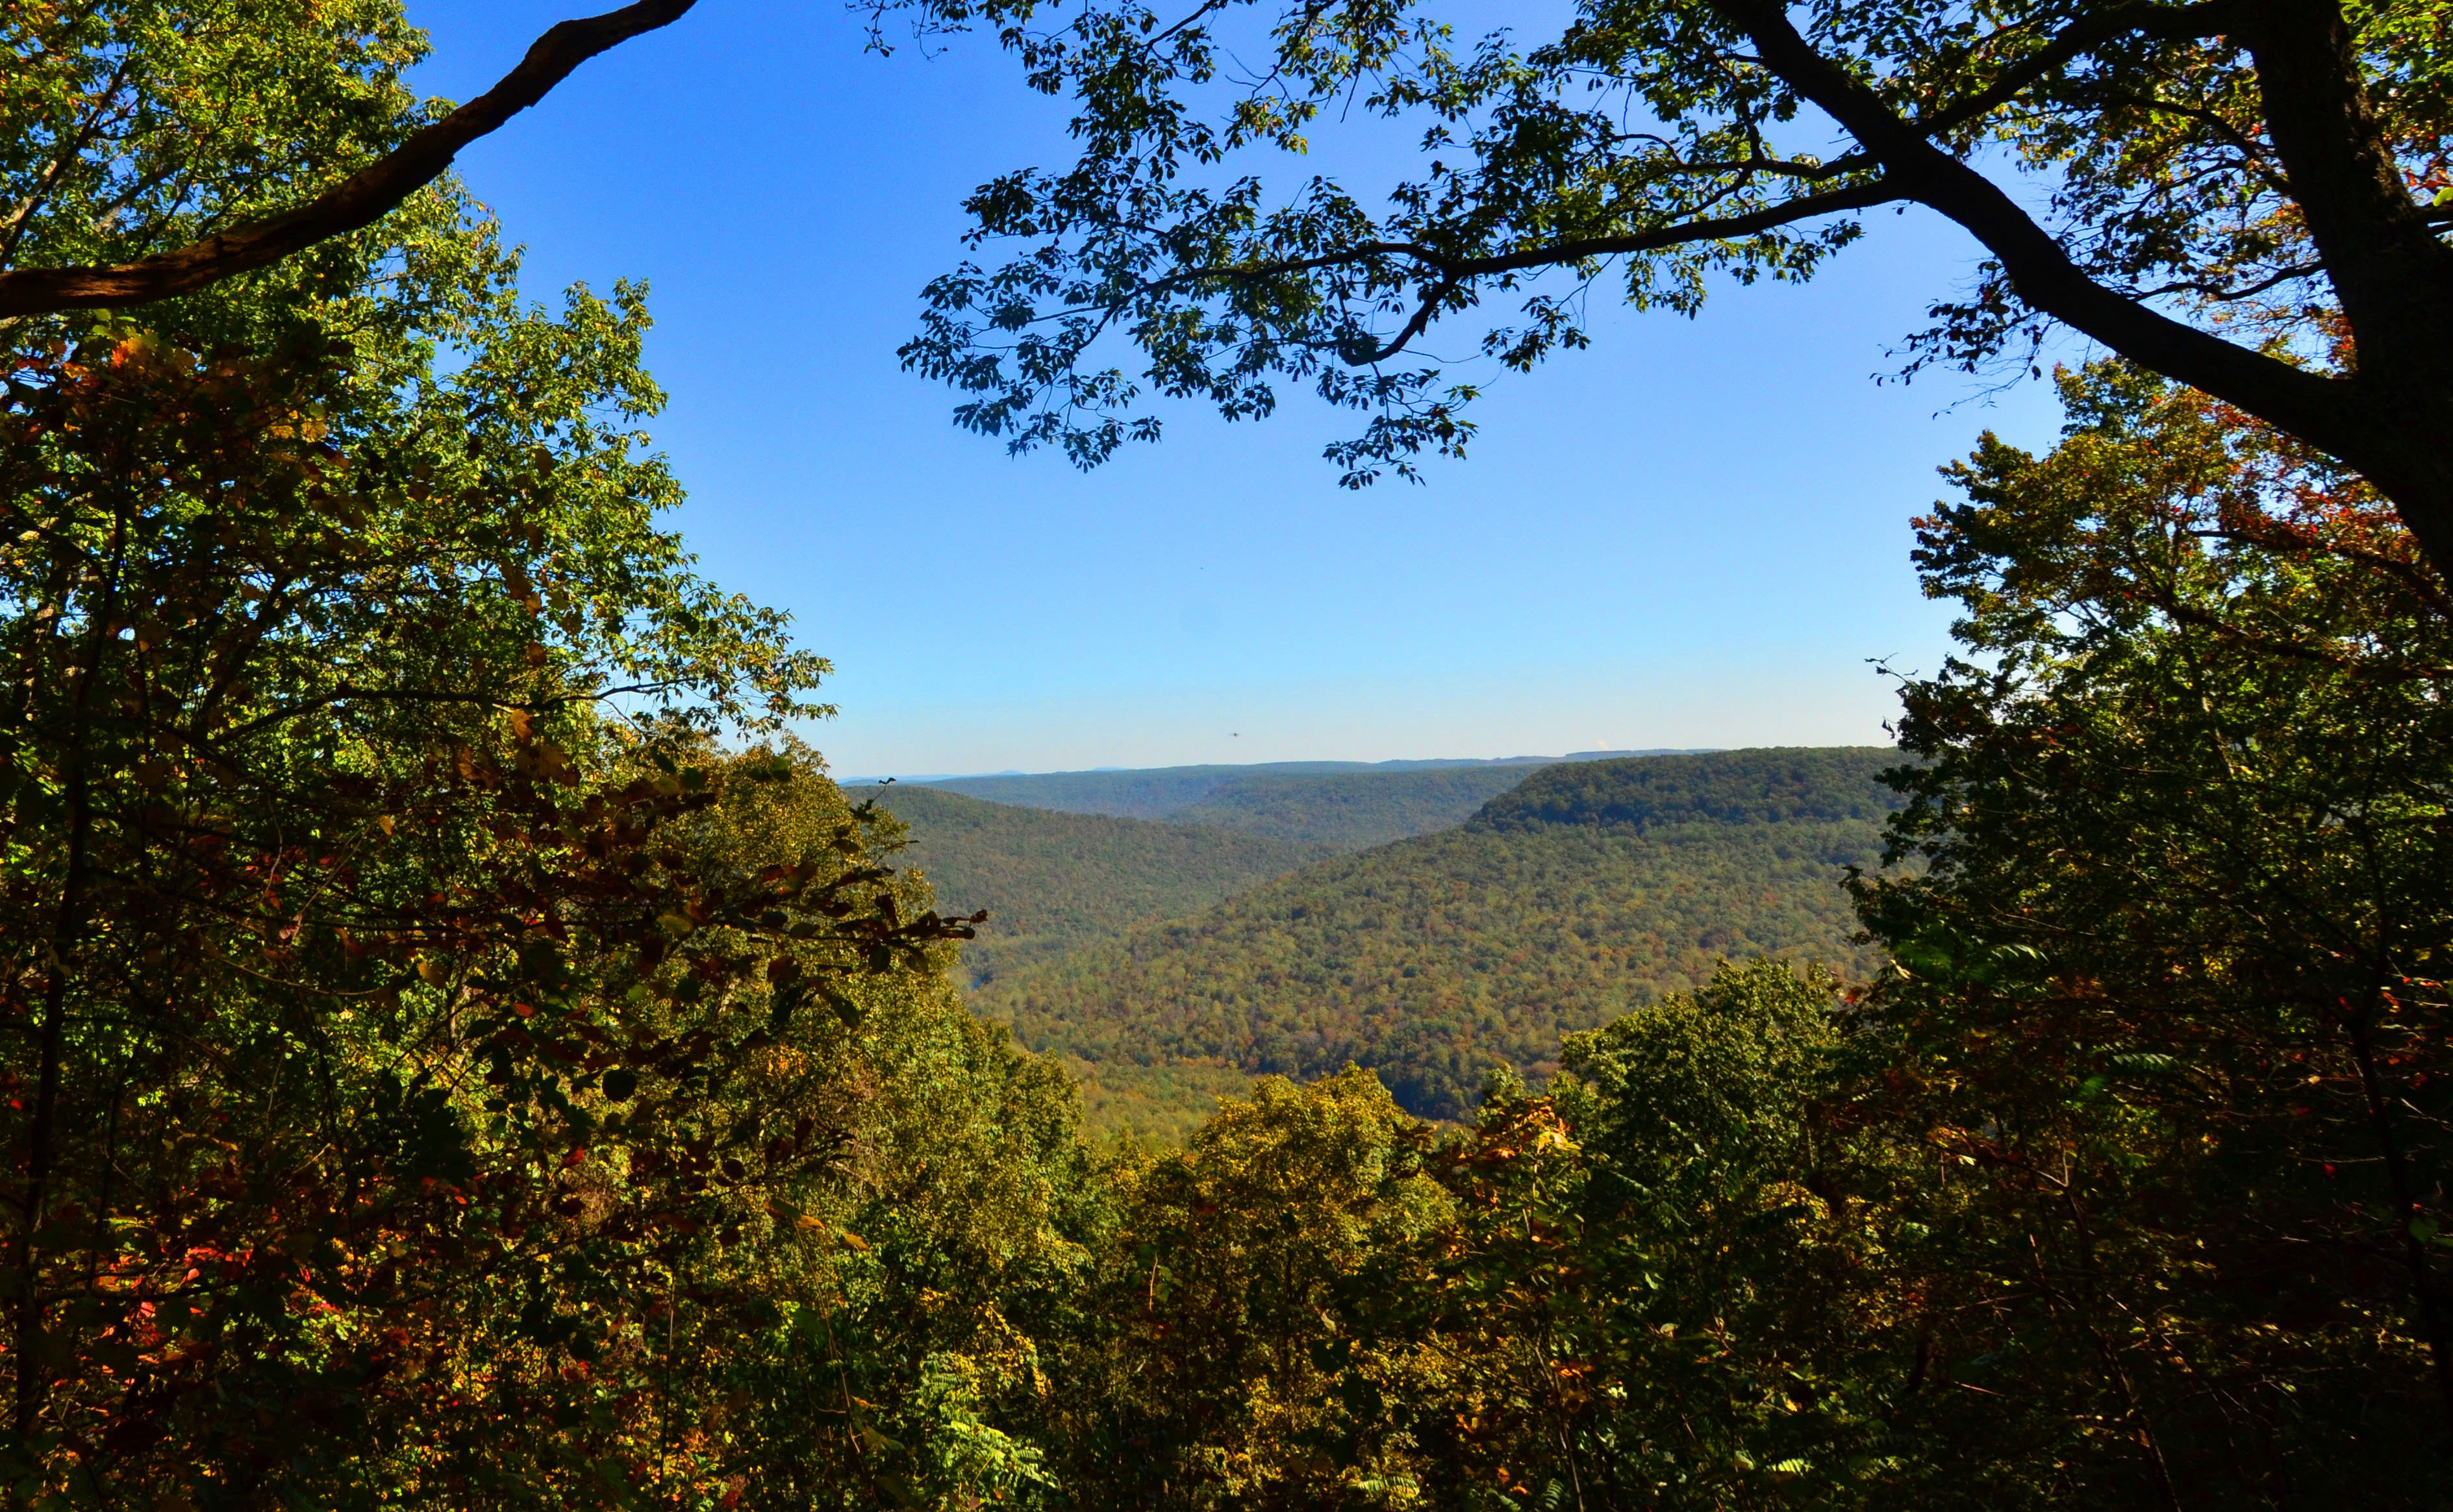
[
  {"x": 1694, "y": 535},
  {"x": 1325, "y": 764}
]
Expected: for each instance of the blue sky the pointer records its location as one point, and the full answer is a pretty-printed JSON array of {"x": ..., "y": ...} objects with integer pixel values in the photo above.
[{"x": 1694, "y": 533}]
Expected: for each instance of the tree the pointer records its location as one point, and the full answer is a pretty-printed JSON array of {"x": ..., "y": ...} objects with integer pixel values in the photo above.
[
  {"x": 151, "y": 149},
  {"x": 1230, "y": 1355},
  {"x": 1657, "y": 1293},
  {"x": 2169, "y": 1022},
  {"x": 439, "y": 1072},
  {"x": 2246, "y": 195},
  {"x": 419, "y": 1036}
]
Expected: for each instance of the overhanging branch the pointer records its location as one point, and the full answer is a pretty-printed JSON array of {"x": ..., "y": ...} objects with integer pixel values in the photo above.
[
  {"x": 358, "y": 201},
  {"x": 2320, "y": 409},
  {"x": 2083, "y": 36},
  {"x": 1753, "y": 223},
  {"x": 1454, "y": 271}
]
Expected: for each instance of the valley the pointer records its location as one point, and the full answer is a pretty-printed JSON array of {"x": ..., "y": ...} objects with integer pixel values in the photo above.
[
  {"x": 1167, "y": 962},
  {"x": 1052, "y": 880}
]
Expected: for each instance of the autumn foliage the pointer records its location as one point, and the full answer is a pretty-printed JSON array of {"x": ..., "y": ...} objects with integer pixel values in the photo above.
[{"x": 463, "y": 1053}]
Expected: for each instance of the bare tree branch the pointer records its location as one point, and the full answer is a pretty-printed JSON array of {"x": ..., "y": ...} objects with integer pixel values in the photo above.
[{"x": 360, "y": 200}]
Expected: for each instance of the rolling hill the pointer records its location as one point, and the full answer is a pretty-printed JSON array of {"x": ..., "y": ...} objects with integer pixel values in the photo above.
[
  {"x": 1587, "y": 889},
  {"x": 1052, "y": 881},
  {"x": 1350, "y": 810},
  {"x": 1157, "y": 792},
  {"x": 1345, "y": 805}
]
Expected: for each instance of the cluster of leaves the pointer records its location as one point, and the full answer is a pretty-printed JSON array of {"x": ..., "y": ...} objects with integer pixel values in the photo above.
[
  {"x": 1433, "y": 959},
  {"x": 1623, "y": 1293},
  {"x": 1216, "y": 1375},
  {"x": 130, "y": 127},
  {"x": 2170, "y": 978}
]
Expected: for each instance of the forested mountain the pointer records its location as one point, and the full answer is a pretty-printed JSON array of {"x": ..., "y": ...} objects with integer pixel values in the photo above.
[
  {"x": 1810, "y": 785},
  {"x": 1348, "y": 806},
  {"x": 1352, "y": 811},
  {"x": 1050, "y": 881},
  {"x": 1591, "y": 889},
  {"x": 1158, "y": 792}
]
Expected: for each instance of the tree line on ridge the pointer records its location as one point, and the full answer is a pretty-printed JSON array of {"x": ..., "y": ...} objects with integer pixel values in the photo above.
[{"x": 1586, "y": 890}]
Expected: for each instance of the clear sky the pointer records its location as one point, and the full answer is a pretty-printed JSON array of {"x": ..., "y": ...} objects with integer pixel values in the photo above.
[{"x": 1695, "y": 533}]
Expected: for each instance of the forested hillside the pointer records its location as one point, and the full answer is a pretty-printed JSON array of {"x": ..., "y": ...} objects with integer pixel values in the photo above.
[
  {"x": 1158, "y": 792},
  {"x": 1770, "y": 785},
  {"x": 1050, "y": 881},
  {"x": 1594, "y": 889},
  {"x": 1352, "y": 811},
  {"x": 1346, "y": 806}
]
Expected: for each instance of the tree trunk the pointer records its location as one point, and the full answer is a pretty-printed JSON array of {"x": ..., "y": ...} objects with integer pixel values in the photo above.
[{"x": 2408, "y": 455}]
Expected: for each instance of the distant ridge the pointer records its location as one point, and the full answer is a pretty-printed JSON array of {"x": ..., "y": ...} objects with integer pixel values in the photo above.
[
  {"x": 1050, "y": 881},
  {"x": 1588, "y": 889},
  {"x": 1767, "y": 785},
  {"x": 955, "y": 780},
  {"x": 1350, "y": 805}
]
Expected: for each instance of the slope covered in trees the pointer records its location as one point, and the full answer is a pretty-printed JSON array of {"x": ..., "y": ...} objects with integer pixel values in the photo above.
[
  {"x": 1818, "y": 786},
  {"x": 1346, "y": 806},
  {"x": 1049, "y": 880},
  {"x": 1352, "y": 811},
  {"x": 1158, "y": 792},
  {"x": 1592, "y": 889}
]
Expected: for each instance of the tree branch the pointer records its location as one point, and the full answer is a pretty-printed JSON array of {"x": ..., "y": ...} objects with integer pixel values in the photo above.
[
  {"x": 1420, "y": 320},
  {"x": 2208, "y": 289},
  {"x": 2394, "y": 278},
  {"x": 2083, "y": 36},
  {"x": 1771, "y": 217},
  {"x": 358, "y": 201},
  {"x": 1454, "y": 269},
  {"x": 2325, "y": 411}
]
